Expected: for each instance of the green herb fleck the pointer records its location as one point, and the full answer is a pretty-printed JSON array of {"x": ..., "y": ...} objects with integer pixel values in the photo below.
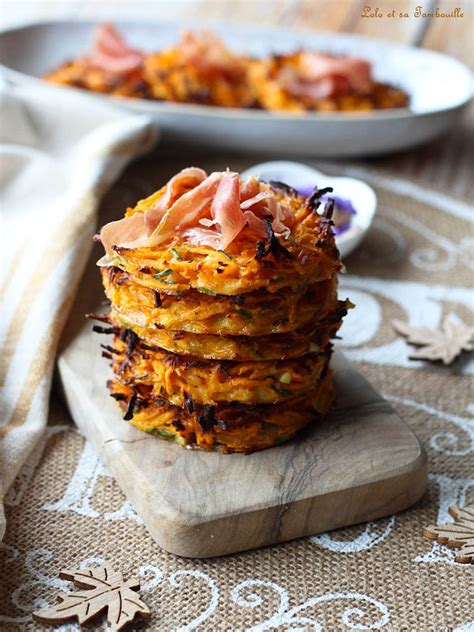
[
  {"x": 225, "y": 254},
  {"x": 162, "y": 274},
  {"x": 282, "y": 391},
  {"x": 277, "y": 279},
  {"x": 205, "y": 290},
  {"x": 244, "y": 312},
  {"x": 176, "y": 254},
  {"x": 285, "y": 378},
  {"x": 268, "y": 425},
  {"x": 164, "y": 434}
]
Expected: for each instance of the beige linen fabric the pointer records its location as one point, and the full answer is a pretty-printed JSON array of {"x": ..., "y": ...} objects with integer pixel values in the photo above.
[
  {"x": 57, "y": 158},
  {"x": 64, "y": 509}
]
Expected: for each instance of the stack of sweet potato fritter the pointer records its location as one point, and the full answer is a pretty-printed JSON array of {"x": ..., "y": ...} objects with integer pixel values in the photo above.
[{"x": 223, "y": 301}]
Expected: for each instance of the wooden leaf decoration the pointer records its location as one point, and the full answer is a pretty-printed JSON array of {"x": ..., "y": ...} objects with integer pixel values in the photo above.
[
  {"x": 458, "y": 534},
  {"x": 105, "y": 589},
  {"x": 437, "y": 344}
]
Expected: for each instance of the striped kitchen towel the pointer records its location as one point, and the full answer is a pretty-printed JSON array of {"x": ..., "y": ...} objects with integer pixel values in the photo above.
[{"x": 59, "y": 151}]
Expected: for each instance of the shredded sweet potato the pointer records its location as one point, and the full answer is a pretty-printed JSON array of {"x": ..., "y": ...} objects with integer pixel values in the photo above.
[
  {"x": 222, "y": 349},
  {"x": 251, "y": 314},
  {"x": 174, "y": 377},
  {"x": 234, "y": 428}
]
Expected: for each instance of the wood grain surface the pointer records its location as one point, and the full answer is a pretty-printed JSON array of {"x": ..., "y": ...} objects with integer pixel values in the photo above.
[{"x": 361, "y": 463}]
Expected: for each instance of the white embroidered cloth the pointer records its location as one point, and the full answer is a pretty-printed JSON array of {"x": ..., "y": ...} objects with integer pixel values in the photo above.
[{"x": 57, "y": 157}]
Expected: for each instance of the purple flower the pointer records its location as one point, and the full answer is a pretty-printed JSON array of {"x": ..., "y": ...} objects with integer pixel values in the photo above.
[
  {"x": 342, "y": 204},
  {"x": 343, "y": 213},
  {"x": 343, "y": 210},
  {"x": 305, "y": 190}
]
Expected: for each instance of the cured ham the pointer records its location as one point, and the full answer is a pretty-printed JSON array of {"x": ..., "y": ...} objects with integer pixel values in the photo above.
[
  {"x": 321, "y": 75},
  {"x": 112, "y": 54},
  {"x": 205, "y": 221},
  {"x": 263, "y": 195},
  {"x": 271, "y": 207},
  {"x": 204, "y": 210},
  {"x": 123, "y": 232},
  {"x": 186, "y": 179},
  {"x": 207, "y": 53},
  {"x": 355, "y": 70},
  {"x": 279, "y": 213},
  {"x": 203, "y": 237},
  {"x": 225, "y": 208},
  {"x": 320, "y": 89},
  {"x": 255, "y": 224},
  {"x": 187, "y": 210},
  {"x": 250, "y": 188}
]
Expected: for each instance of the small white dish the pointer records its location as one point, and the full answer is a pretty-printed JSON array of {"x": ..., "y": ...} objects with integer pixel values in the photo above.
[{"x": 302, "y": 176}]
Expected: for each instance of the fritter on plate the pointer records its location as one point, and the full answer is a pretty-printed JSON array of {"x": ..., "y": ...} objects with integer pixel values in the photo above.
[
  {"x": 200, "y": 69},
  {"x": 307, "y": 80}
]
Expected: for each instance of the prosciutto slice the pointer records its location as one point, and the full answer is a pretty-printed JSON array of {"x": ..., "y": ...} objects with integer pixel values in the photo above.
[
  {"x": 280, "y": 214},
  {"x": 186, "y": 179},
  {"x": 323, "y": 75},
  {"x": 209, "y": 212},
  {"x": 127, "y": 231},
  {"x": 320, "y": 76},
  {"x": 271, "y": 207},
  {"x": 320, "y": 89},
  {"x": 355, "y": 70},
  {"x": 250, "y": 188},
  {"x": 112, "y": 54},
  {"x": 203, "y": 237},
  {"x": 205, "y": 221},
  {"x": 255, "y": 224},
  {"x": 187, "y": 210},
  {"x": 263, "y": 195},
  {"x": 225, "y": 208},
  {"x": 206, "y": 53}
]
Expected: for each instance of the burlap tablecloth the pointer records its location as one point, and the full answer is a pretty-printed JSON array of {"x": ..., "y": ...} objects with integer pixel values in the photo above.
[{"x": 65, "y": 509}]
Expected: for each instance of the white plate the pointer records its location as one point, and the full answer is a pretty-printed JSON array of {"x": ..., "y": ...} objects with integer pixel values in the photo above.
[
  {"x": 301, "y": 176},
  {"x": 439, "y": 87}
]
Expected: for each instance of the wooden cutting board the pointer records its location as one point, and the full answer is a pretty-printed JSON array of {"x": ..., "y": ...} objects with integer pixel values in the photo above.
[{"x": 362, "y": 463}]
